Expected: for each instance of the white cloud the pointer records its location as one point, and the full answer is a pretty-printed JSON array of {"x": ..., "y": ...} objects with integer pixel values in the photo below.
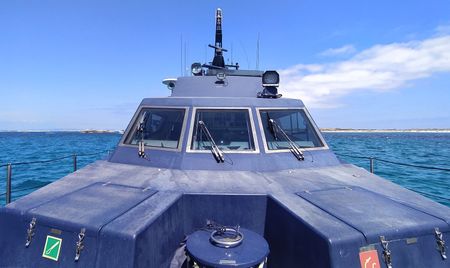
[
  {"x": 344, "y": 50},
  {"x": 443, "y": 29},
  {"x": 381, "y": 67}
]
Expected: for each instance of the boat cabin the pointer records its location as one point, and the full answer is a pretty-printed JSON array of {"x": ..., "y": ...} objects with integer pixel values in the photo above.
[{"x": 221, "y": 122}]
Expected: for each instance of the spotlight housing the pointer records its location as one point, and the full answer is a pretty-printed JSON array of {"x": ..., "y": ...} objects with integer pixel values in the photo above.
[
  {"x": 270, "y": 79},
  {"x": 196, "y": 69},
  {"x": 170, "y": 83},
  {"x": 270, "y": 82}
]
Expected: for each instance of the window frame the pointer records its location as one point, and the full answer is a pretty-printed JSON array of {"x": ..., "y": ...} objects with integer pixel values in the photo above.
[
  {"x": 133, "y": 123},
  {"x": 252, "y": 126},
  {"x": 308, "y": 116}
]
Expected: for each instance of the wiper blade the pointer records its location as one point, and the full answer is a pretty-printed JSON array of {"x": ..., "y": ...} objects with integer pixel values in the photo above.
[
  {"x": 295, "y": 149},
  {"x": 215, "y": 150}
]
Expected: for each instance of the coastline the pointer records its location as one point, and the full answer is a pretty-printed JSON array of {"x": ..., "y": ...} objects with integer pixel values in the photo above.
[
  {"x": 326, "y": 130},
  {"x": 351, "y": 130},
  {"x": 86, "y": 131}
]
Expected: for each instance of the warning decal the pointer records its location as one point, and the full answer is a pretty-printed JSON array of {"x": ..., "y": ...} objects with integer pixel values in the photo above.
[{"x": 369, "y": 259}]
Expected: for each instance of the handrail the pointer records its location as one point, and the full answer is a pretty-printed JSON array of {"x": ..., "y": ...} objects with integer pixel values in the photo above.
[
  {"x": 10, "y": 165},
  {"x": 402, "y": 164},
  {"x": 394, "y": 162},
  {"x": 28, "y": 188},
  {"x": 52, "y": 160},
  {"x": 74, "y": 156}
]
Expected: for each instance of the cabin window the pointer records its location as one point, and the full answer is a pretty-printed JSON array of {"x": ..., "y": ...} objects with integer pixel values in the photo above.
[
  {"x": 230, "y": 129},
  {"x": 158, "y": 127},
  {"x": 294, "y": 123}
]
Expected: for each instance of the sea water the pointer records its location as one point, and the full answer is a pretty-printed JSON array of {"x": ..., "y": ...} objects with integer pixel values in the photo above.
[{"x": 429, "y": 149}]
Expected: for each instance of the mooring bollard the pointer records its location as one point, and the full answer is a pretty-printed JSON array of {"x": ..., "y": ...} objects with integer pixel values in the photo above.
[
  {"x": 74, "y": 162},
  {"x": 8, "y": 183},
  {"x": 371, "y": 164}
]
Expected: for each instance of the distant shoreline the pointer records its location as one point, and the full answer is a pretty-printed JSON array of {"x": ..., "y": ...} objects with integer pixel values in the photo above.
[
  {"x": 351, "y": 130},
  {"x": 86, "y": 131}
]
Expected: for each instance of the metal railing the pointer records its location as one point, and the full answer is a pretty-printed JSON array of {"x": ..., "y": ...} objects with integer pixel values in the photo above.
[
  {"x": 372, "y": 165},
  {"x": 372, "y": 160},
  {"x": 9, "y": 171}
]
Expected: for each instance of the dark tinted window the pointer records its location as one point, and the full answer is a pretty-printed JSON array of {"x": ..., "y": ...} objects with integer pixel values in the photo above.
[
  {"x": 230, "y": 129},
  {"x": 158, "y": 127},
  {"x": 295, "y": 124}
]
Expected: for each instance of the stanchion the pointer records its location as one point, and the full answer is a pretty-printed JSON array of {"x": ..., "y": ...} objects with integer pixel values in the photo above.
[
  {"x": 8, "y": 183},
  {"x": 74, "y": 162},
  {"x": 371, "y": 165}
]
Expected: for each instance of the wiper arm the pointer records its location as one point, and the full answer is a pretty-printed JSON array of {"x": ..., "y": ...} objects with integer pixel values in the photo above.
[
  {"x": 141, "y": 130},
  {"x": 215, "y": 150},
  {"x": 295, "y": 149}
]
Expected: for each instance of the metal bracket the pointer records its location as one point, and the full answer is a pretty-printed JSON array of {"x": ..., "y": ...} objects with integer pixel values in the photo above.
[
  {"x": 80, "y": 244},
  {"x": 440, "y": 243},
  {"x": 386, "y": 252},
  {"x": 30, "y": 232}
]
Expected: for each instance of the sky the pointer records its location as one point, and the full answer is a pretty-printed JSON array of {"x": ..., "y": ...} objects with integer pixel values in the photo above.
[{"x": 87, "y": 64}]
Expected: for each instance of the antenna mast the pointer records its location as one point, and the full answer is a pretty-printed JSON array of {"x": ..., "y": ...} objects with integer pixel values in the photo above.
[
  {"x": 181, "y": 54},
  {"x": 257, "y": 53},
  {"x": 218, "y": 60}
]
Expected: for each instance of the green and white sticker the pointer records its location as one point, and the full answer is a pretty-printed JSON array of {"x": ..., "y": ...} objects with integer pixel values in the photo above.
[{"x": 52, "y": 248}]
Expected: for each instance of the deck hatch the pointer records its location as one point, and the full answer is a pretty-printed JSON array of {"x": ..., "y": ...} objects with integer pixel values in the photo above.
[
  {"x": 91, "y": 207},
  {"x": 373, "y": 214}
]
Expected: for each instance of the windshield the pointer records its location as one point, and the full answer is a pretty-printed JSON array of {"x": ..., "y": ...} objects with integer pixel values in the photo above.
[
  {"x": 230, "y": 130},
  {"x": 295, "y": 124},
  {"x": 158, "y": 127}
]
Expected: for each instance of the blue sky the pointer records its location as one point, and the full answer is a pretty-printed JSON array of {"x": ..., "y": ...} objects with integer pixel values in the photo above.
[{"x": 360, "y": 64}]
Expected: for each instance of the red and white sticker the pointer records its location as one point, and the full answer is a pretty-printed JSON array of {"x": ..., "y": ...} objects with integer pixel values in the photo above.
[{"x": 369, "y": 259}]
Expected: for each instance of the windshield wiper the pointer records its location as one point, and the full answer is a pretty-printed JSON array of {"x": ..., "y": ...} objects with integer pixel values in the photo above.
[
  {"x": 141, "y": 130},
  {"x": 215, "y": 150},
  {"x": 295, "y": 149}
]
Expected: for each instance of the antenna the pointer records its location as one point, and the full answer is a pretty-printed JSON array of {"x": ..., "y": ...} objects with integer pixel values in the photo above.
[
  {"x": 232, "y": 54},
  {"x": 257, "y": 53},
  {"x": 184, "y": 58},
  {"x": 218, "y": 60},
  {"x": 181, "y": 54},
  {"x": 245, "y": 53}
]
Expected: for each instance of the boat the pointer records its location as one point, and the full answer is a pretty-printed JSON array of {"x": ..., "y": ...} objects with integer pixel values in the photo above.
[{"x": 224, "y": 172}]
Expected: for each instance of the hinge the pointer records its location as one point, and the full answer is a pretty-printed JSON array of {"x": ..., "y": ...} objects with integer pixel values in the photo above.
[
  {"x": 80, "y": 244},
  {"x": 440, "y": 243},
  {"x": 386, "y": 252},
  {"x": 30, "y": 232}
]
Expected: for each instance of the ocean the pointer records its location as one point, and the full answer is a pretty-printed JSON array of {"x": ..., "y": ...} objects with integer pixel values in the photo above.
[{"x": 424, "y": 149}]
